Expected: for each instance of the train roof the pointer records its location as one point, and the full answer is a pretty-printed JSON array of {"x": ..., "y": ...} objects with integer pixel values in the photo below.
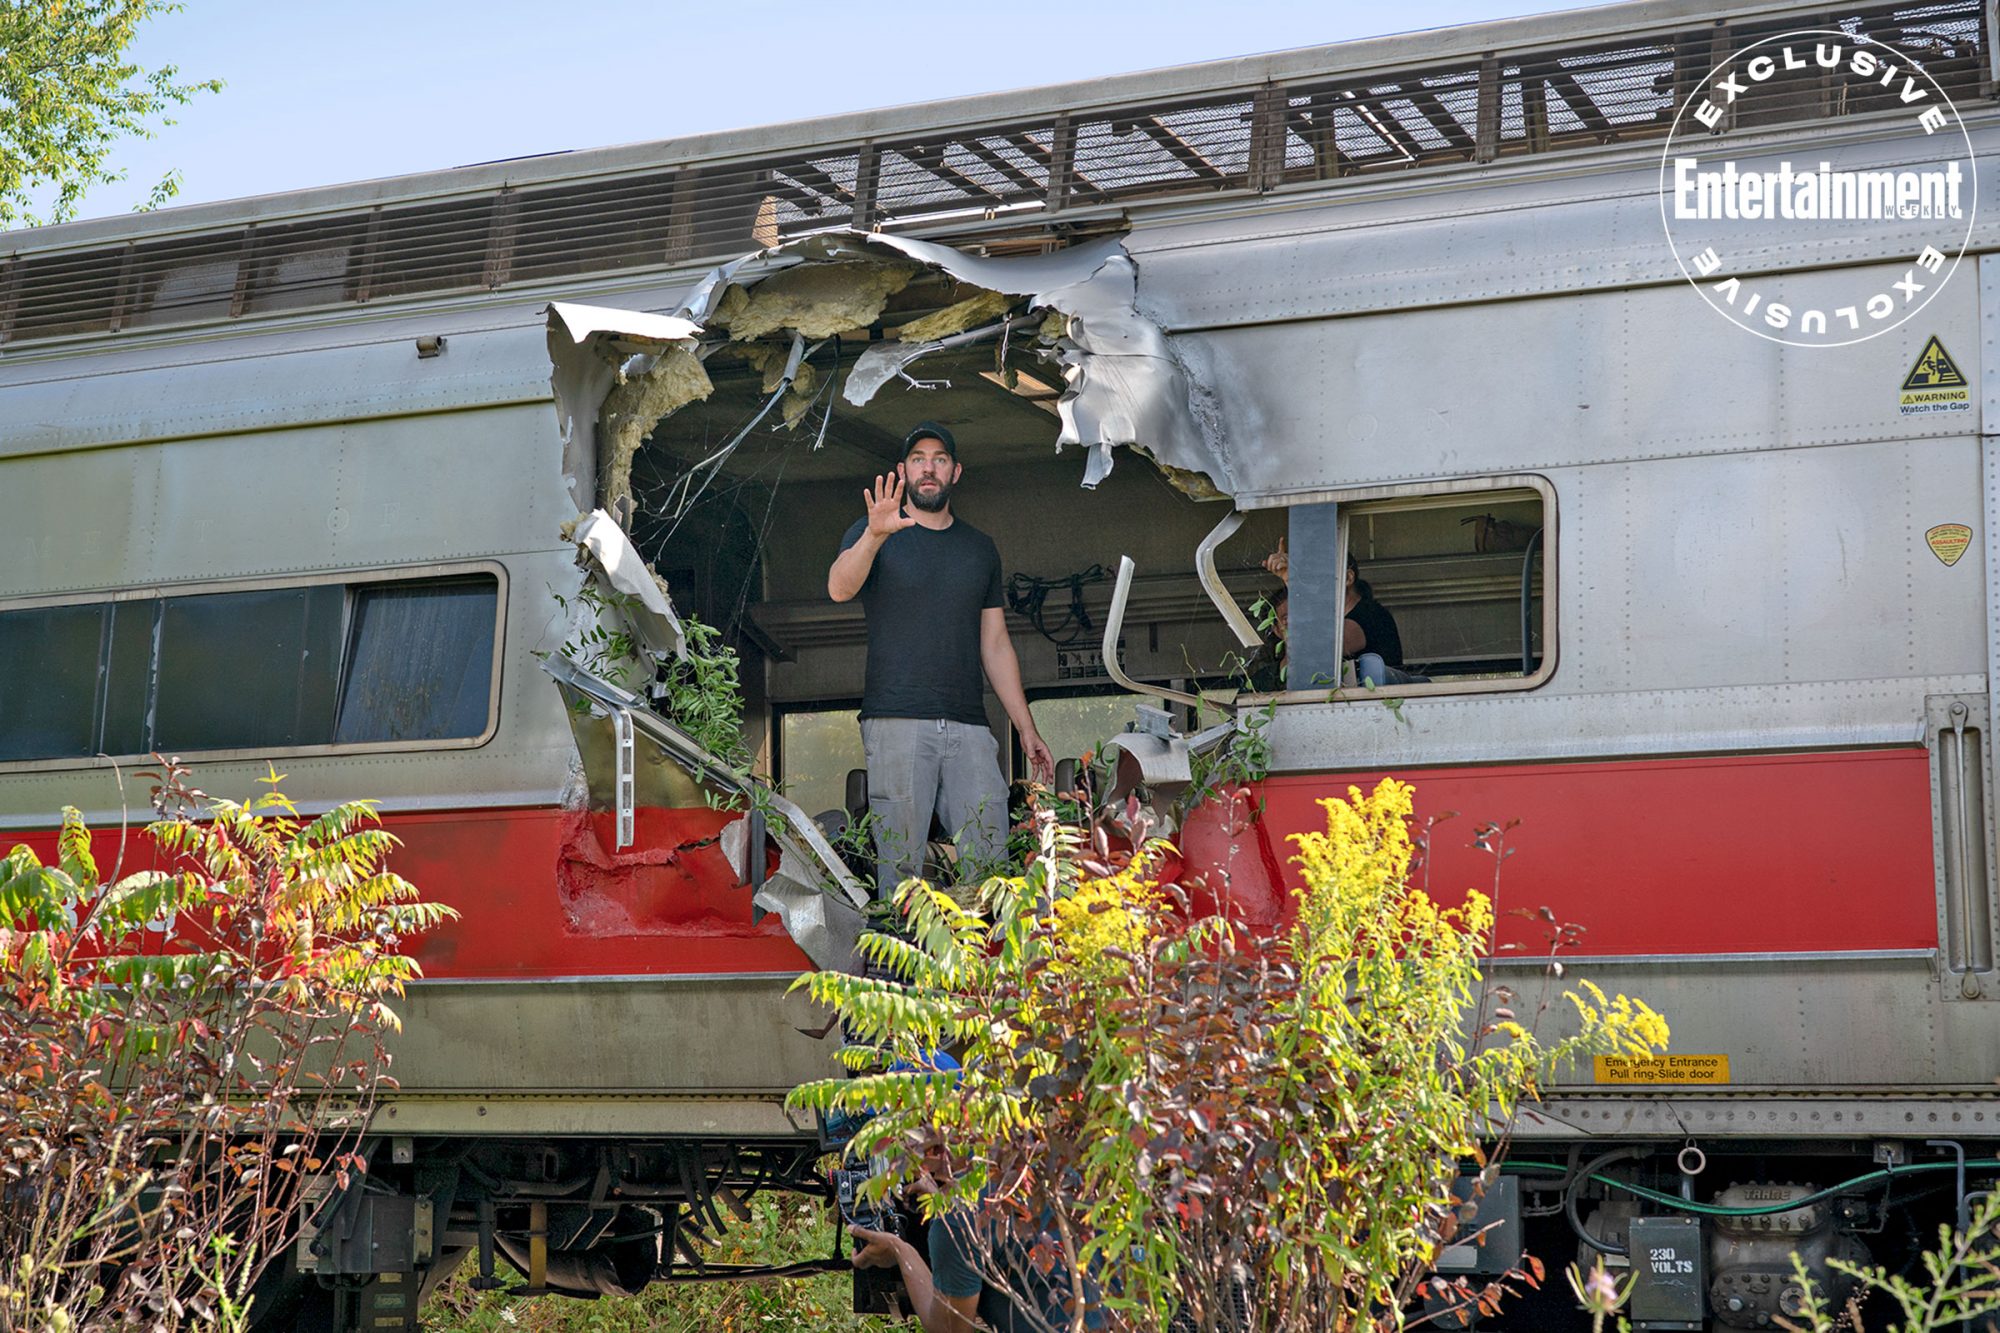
[{"x": 1018, "y": 167}]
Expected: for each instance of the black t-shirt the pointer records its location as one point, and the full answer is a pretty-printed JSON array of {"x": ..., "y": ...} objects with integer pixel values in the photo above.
[
  {"x": 923, "y": 600},
  {"x": 1379, "y": 628}
]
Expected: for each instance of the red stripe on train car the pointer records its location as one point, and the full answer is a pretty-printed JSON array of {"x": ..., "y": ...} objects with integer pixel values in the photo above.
[
  {"x": 541, "y": 895},
  {"x": 1736, "y": 854},
  {"x": 1819, "y": 852}
]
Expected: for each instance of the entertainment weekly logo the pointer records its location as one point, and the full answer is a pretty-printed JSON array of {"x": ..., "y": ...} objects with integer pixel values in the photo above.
[{"x": 1725, "y": 222}]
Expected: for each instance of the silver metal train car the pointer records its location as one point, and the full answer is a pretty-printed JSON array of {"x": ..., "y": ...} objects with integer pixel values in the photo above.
[{"x": 1711, "y": 614}]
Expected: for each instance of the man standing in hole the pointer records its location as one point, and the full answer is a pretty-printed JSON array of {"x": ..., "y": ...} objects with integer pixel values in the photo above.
[{"x": 929, "y": 584}]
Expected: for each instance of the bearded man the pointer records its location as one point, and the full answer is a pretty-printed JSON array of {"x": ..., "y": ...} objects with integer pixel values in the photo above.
[{"x": 929, "y": 585}]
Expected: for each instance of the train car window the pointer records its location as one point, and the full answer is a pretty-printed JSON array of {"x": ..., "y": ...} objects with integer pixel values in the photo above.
[
  {"x": 817, "y": 748},
  {"x": 420, "y": 662},
  {"x": 128, "y": 678},
  {"x": 1449, "y": 589},
  {"x": 265, "y": 669},
  {"x": 205, "y": 698},
  {"x": 49, "y": 681},
  {"x": 1462, "y": 578},
  {"x": 1076, "y": 724}
]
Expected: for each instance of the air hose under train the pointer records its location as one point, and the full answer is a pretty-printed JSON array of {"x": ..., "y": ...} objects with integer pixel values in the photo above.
[
  {"x": 1574, "y": 1186},
  {"x": 1673, "y": 1201}
]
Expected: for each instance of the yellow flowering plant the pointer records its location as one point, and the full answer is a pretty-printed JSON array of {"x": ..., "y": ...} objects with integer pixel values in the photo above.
[{"x": 1181, "y": 1125}]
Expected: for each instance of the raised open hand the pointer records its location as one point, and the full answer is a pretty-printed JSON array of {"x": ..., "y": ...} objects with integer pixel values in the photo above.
[{"x": 885, "y": 507}]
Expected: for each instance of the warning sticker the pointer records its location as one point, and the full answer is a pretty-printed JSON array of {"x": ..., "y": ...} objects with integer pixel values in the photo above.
[
  {"x": 1948, "y": 541},
  {"x": 1658, "y": 1069},
  {"x": 1935, "y": 383}
]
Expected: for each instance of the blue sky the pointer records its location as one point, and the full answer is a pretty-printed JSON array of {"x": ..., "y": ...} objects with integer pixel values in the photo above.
[{"x": 322, "y": 92}]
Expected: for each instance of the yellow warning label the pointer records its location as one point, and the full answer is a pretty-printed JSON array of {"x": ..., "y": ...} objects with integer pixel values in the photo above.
[
  {"x": 1935, "y": 383},
  {"x": 1948, "y": 541},
  {"x": 1658, "y": 1069}
]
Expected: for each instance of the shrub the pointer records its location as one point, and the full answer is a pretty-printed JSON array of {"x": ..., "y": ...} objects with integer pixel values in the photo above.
[
  {"x": 181, "y": 1046},
  {"x": 1186, "y": 1127}
]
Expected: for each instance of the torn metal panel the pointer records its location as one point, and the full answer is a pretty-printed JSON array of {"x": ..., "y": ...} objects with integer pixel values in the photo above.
[
  {"x": 827, "y": 928},
  {"x": 772, "y": 361},
  {"x": 1125, "y": 386},
  {"x": 676, "y": 775},
  {"x": 1017, "y": 276},
  {"x": 1124, "y": 381},
  {"x": 659, "y": 778},
  {"x": 618, "y": 568},
  {"x": 1211, "y": 580},
  {"x": 882, "y": 362},
  {"x": 674, "y": 878},
  {"x": 589, "y": 347}
]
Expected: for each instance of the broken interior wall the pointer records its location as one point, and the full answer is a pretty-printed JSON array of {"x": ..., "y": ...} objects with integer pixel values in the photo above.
[
  {"x": 980, "y": 308},
  {"x": 643, "y": 397},
  {"x": 593, "y": 351},
  {"x": 770, "y": 360}
]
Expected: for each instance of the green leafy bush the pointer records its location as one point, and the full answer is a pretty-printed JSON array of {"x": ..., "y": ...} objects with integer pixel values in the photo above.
[
  {"x": 1177, "y": 1117},
  {"x": 181, "y": 1046}
]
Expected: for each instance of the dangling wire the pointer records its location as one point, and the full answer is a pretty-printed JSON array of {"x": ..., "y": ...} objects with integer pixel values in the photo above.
[
  {"x": 771, "y": 504},
  {"x": 713, "y": 463},
  {"x": 1028, "y": 596}
]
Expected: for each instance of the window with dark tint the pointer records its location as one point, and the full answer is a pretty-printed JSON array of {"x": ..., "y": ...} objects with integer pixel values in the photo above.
[
  {"x": 49, "y": 681},
  {"x": 420, "y": 662},
  {"x": 266, "y": 669},
  {"x": 245, "y": 669}
]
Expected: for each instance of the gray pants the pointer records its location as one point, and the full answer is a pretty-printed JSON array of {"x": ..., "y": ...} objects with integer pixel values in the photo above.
[{"x": 920, "y": 765}]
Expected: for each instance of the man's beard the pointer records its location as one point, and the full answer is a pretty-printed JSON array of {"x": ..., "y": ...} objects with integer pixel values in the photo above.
[{"x": 936, "y": 503}]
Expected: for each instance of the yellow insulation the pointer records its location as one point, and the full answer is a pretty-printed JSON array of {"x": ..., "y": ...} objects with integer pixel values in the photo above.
[{"x": 636, "y": 405}]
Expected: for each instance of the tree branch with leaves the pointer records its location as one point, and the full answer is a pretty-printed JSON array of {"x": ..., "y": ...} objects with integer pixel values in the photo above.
[
  {"x": 181, "y": 1046},
  {"x": 70, "y": 93}
]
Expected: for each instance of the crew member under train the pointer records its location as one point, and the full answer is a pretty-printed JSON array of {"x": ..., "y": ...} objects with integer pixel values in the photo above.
[
  {"x": 929, "y": 585},
  {"x": 1368, "y": 634}
]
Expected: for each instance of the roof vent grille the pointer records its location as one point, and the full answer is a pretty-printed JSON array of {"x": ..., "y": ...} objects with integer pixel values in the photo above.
[{"x": 1476, "y": 110}]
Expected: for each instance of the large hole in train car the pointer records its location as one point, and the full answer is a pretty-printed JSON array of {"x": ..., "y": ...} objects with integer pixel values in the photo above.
[{"x": 749, "y": 548}]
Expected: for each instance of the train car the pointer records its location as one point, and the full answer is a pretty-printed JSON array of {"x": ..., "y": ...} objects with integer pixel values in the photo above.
[{"x": 1702, "y": 617}]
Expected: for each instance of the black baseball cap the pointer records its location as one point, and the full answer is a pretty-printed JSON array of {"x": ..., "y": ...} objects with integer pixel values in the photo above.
[{"x": 930, "y": 430}]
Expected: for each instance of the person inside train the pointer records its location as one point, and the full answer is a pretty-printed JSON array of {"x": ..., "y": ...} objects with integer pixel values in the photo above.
[
  {"x": 930, "y": 590},
  {"x": 1368, "y": 635}
]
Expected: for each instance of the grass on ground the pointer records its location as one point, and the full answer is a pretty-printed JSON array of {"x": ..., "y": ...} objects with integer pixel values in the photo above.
[{"x": 783, "y": 1228}]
